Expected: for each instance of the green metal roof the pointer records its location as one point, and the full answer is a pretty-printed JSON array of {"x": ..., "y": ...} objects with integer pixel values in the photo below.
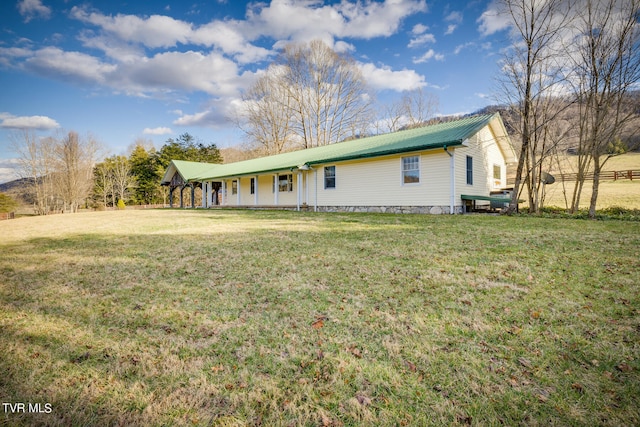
[
  {"x": 189, "y": 171},
  {"x": 424, "y": 138}
]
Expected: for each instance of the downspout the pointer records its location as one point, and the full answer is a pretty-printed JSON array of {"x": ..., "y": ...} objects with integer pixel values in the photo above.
[{"x": 452, "y": 168}]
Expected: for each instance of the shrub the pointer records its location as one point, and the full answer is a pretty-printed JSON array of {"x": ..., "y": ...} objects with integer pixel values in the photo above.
[{"x": 121, "y": 204}]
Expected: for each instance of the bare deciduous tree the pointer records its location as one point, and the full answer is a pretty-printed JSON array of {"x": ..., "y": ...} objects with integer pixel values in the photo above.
[
  {"x": 532, "y": 71},
  {"x": 418, "y": 106},
  {"x": 414, "y": 108},
  {"x": 123, "y": 179},
  {"x": 103, "y": 183},
  {"x": 268, "y": 113},
  {"x": 310, "y": 96},
  {"x": 36, "y": 165},
  {"x": 607, "y": 68},
  {"x": 73, "y": 176}
]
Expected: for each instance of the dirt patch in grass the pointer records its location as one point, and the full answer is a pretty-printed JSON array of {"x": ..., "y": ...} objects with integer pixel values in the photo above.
[{"x": 281, "y": 318}]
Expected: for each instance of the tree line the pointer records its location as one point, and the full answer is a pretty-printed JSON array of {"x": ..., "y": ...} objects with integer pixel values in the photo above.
[
  {"x": 136, "y": 179},
  {"x": 61, "y": 173}
]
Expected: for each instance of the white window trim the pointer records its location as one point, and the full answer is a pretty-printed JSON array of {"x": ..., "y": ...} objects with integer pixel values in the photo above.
[
  {"x": 410, "y": 184},
  {"x": 324, "y": 178}
]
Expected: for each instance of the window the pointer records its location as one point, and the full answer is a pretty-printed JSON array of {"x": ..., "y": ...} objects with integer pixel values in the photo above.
[
  {"x": 497, "y": 172},
  {"x": 252, "y": 184},
  {"x": 469, "y": 170},
  {"x": 411, "y": 170},
  {"x": 234, "y": 187},
  {"x": 285, "y": 183},
  {"x": 330, "y": 177}
]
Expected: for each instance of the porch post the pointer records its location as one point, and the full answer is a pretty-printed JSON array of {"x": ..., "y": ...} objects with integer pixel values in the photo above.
[
  {"x": 306, "y": 188},
  {"x": 255, "y": 190},
  {"x": 299, "y": 190},
  {"x": 275, "y": 189},
  {"x": 315, "y": 197},
  {"x": 238, "y": 193}
]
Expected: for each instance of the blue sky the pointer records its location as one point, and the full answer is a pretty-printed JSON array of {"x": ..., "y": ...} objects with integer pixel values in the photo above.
[{"x": 123, "y": 70}]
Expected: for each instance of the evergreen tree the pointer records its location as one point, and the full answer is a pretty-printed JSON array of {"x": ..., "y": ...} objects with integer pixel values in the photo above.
[
  {"x": 185, "y": 147},
  {"x": 144, "y": 166}
]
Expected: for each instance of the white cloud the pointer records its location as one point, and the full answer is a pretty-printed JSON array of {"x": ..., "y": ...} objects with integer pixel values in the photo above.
[
  {"x": 372, "y": 19},
  {"x": 384, "y": 77},
  {"x": 419, "y": 29},
  {"x": 70, "y": 66},
  {"x": 428, "y": 55},
  {"x": 31, "y": 9},
  {"x": 154, "y": 32},
  {"x": 146, "y": 55},
  {"x": 9, "y": 170},
  {"x": 212, "y": 118},
  {"x": 493, "y": 19},
  {"x": 230, "y": 38},
  {"x": 455, "y": 17},
  {"x": 422, "y": 39},
  {"x": 343, "y": 47},
  {"x": 450, "y": 29},
  {"x": 9, "y": 56},
  {"x": 281, "y": 20},
  {"x": 9, "y": 121},
  {"x": 187, "y": 71},
  {"x": 157, "y": 131}
]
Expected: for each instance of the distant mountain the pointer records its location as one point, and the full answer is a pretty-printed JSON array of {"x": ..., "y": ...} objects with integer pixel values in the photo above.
[
  {"x": 15, "y": 185},
  {"x": 17, "y": 189}
]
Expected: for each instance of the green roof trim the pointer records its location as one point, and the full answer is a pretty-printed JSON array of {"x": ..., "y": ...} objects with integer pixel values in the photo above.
[{"x": 437, "y": 136}]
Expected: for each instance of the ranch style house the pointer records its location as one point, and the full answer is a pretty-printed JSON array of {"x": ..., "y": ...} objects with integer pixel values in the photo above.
[{"x": 442, "y": 168}]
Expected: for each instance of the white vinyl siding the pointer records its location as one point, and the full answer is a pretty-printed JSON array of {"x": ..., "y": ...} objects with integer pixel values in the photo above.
[
  {"x": 486, "y": 154},
  {"x": 264, "y": 186},
  {"x": 378, "y": 182}
]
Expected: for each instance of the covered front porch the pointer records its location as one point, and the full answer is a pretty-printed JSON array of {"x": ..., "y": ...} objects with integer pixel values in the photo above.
[{"x": 287, "y": 189}]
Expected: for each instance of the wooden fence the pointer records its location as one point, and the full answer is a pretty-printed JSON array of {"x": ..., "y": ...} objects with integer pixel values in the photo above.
[
  {"x": 7, "y": 215},
  {"x": 604, "y": 176}
]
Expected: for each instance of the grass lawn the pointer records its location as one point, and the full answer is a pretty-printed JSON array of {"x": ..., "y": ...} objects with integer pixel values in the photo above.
[{"x": 229, "y": 318}]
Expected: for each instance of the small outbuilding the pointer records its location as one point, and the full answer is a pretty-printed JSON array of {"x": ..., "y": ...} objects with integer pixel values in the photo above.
[{"x": 421, "y": 170}]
